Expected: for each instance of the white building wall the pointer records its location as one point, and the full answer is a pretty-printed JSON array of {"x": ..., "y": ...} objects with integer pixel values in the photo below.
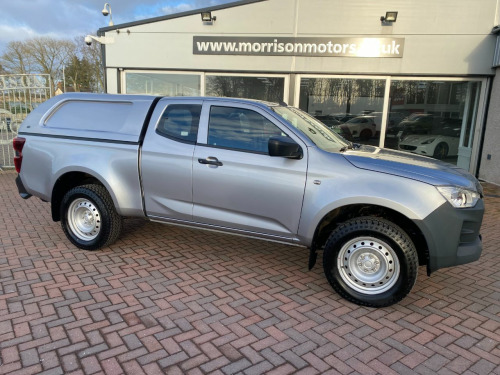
[{"x": 445, "y": 37}]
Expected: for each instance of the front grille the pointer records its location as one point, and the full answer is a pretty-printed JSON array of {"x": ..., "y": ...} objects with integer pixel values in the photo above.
[{"x": 407, "y": 147}]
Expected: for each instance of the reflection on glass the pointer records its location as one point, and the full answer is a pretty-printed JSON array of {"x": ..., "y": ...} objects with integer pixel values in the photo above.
[
  {"x": 163, "y": 84},
  {"x": 434, "y": 118},
  {"x": 350, "y": 107},
  {"x": 270, "y": 89},
  {"x": 320, "y": 135}
]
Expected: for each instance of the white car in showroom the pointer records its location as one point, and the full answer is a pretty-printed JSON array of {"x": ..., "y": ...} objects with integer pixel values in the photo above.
[
  {"x": 361, "y": 127},
  {"x": 442, "y": 144}
]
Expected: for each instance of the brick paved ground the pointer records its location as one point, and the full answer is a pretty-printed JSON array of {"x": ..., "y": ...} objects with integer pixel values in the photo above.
[{"x": 172, "y": 300}]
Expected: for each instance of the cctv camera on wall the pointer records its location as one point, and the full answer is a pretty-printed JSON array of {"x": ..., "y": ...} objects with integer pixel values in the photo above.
[{"x": 89, "y": 39}]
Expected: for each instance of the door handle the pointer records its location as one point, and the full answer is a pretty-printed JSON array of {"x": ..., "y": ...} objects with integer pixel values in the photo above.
[{"x": 210, "y": 161}]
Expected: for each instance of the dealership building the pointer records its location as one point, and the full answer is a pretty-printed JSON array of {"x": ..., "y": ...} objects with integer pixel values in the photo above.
[{"x": 419, "y": 73}]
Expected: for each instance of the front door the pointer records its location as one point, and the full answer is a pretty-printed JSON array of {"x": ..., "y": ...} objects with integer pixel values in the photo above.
[{"x": 236, "y": 184}]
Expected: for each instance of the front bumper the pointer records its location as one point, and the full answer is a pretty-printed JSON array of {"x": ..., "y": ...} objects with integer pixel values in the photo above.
[
  {"x": 22, "y": 190},
  {"x": 452, "y": 235}
]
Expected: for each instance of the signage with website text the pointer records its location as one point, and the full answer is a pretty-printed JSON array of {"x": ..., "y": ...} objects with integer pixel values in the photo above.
[{"x": 275, "y": 46}]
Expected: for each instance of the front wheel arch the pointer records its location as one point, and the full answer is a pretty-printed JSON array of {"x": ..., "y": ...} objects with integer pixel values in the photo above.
[
  {"x": 441, "y": 151},
  {"x": 370, "y": 261},
  {"x": 341, "y": 214}
]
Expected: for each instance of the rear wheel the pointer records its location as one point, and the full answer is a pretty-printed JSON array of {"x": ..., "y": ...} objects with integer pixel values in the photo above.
[
  {"x": 370, "y": 261},
  {"x": 89, "y": 218}
]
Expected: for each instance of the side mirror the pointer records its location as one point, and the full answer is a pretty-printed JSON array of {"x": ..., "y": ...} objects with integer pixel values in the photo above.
[{"x": 285, "y": 147}]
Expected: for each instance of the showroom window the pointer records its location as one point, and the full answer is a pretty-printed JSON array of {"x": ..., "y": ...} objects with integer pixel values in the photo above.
[
  {"x": 351, "y": 107},
  {"x": 163, "y": 84},
  {"x": 271, "y": 89},
  {"x": 433, "y": 118}
]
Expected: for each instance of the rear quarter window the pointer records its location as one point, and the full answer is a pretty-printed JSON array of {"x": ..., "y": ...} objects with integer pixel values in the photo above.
[{"x": 180, "y": 122}]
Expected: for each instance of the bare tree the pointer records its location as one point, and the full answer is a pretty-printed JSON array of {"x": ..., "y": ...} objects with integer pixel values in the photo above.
[
  {"x": 38, "y": 55},
  {"x": 16, "y": 58},
  {"x": 50, "y": 55}
]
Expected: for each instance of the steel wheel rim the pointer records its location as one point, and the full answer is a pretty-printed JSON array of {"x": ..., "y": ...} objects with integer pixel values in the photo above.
[
  {"x": 368, "y": 265},
  {"x": 84, "y": 219}
]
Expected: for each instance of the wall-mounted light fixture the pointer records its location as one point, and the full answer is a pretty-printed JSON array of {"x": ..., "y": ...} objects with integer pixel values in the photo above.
[
  {"x": 389, "y": 17},
  {"x": 107, "y": 10},
  {"x": 207, "y": 17}
]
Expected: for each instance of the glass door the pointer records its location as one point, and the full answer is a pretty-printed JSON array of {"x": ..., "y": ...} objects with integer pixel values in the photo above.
[{"x": 471, "y": 101}]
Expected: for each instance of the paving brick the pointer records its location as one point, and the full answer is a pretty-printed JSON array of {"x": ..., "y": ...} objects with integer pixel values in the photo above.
[
  {"x": 260, "y": 368},
  {"x": 29, "y": 357},
  {"x": 182, "y": 301},
  {"x": 90, "y": 365}
]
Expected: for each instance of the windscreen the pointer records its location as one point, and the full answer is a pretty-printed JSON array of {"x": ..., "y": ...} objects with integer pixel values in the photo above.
[{"x": 316, "y": 131}]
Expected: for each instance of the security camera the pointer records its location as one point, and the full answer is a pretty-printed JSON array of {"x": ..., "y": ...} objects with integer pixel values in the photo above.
[
  {"x": 89, "y": 39},
  {"x": 105, "y": 12}
]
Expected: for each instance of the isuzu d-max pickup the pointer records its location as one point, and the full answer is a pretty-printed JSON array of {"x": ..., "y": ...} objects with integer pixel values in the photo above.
[{"x": 252, "y": 168}]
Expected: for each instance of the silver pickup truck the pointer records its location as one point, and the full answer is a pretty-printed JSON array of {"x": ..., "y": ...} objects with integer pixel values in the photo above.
[{"x": 252, "y": 168}]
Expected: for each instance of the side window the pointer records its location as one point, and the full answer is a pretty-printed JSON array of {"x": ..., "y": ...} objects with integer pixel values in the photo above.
[
  {"x": 180, "y": 122},
  {"x": 240, "y": 129}
]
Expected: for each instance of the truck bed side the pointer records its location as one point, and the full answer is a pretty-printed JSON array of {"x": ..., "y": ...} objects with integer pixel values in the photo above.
[{"x": 72, "y": 137}]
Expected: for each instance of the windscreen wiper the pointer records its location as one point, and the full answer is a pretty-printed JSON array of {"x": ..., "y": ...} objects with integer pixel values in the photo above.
[{"x": 349, "y": 146}]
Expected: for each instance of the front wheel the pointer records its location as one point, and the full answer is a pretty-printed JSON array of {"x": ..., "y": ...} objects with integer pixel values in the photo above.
[
  {"x": 365, "y": 135},
  {"x": 370, "y": 261},
  {"x": 89, "y": 218},
  {"x": 441, "y": 151}
]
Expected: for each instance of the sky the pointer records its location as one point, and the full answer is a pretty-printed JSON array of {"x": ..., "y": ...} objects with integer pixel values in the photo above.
[{"x": 25, "y": 19}]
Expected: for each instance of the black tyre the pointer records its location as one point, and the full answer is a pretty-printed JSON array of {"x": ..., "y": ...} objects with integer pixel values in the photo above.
[
  {"x": 370, "y": 261},
  {"x": 89, "y": 218},
  {"x": 441, "y": 150},
  {"x": 365, "y": 135}
]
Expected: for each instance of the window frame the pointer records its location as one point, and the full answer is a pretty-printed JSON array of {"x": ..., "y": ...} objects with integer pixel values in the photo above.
[
  {"x": 204, "y": 121},
  {"x": 239, "y": 107}
]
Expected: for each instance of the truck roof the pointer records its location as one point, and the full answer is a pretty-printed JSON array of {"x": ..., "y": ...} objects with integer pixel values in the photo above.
[{"x": 113, "y": 117}]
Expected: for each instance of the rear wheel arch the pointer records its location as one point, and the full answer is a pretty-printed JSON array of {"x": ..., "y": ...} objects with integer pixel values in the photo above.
[
  {"x": 89, "y": 218},
  {"x": 65, "y": 183}
]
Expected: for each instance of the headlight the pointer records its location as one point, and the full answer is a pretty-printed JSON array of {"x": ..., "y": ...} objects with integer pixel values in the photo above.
[
  {"x": 429, "y": 141},
  {"x": 458, "y": 196}
]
